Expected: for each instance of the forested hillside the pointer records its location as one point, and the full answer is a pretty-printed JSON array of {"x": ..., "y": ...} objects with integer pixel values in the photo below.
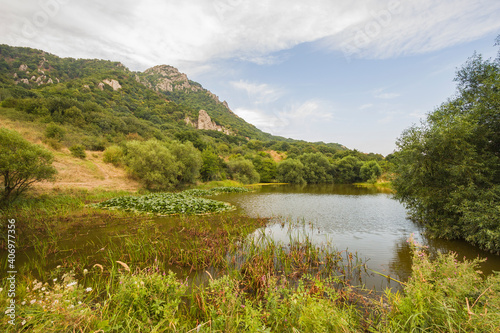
[{"x": 151, "y": 125}]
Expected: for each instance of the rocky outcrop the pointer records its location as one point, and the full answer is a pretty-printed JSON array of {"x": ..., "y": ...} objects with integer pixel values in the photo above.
[
  {"x": 167, "y": 78},
  {"x": 112, "y": 83},
  {"x": 206, "y": 123}
]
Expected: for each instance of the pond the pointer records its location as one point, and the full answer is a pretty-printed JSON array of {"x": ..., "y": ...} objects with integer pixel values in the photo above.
[{"x": 362, "y": 220}]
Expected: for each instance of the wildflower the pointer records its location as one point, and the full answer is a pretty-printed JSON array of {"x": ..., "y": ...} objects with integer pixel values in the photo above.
[
  {"x": 33, "y": 301},
  {"x": 23, "y": 322},
  {"x": 54, "y": 279},
  {"x": 85, "y": 271},
  {"x": 88, "y": 289},
  {"x": 43, "y": 289},
  {"x": 23, "y": 302},
  {"x": 72, "y": 284},
  {"x": 1, "y": 289}
]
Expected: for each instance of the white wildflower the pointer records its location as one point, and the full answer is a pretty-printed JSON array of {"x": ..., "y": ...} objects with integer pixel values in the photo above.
[
  {"x": 72, "y": 284},
  {"x": 33, "y": 301},
  {"x": 85, "y": 271},
  {"x": 23, "y": 322},
  {"x": 88, "y": 289}
]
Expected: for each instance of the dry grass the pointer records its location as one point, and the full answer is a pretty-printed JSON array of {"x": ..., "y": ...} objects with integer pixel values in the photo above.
[
  {"x": 277, "y": 157},
  {"x": 73, "y": 172}
]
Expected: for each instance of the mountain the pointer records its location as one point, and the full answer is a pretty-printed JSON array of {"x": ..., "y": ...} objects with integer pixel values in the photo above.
[{"x": 104, "y": 102}]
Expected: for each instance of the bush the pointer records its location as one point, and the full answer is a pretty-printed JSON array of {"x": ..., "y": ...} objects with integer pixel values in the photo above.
[
  {"x": 78, "y": 151},
  {"x": 153, "y": 163},
  {"x": 370, "y": 171},
  {"x": 113, "y": 155},
  {"x": 291, "y": 171},
  {"x": 54, "y": 131},
  {"x": 243, "y": 171},
  {"x": 21, "y": 164}
]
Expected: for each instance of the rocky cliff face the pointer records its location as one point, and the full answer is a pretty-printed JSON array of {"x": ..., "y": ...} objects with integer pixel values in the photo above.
[
  {"x": 166, "y": 78},
  {"x": 206, "y": 123}
]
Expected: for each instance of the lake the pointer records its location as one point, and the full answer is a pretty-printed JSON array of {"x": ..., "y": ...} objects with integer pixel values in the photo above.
[{"x": 362, "y": 220}]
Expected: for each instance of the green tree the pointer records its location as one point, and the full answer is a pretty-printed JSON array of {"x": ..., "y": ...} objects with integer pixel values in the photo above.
[
  {"x": 370, "y": 171},
  {"x": 188, "y": 159},
  {"x": 265, "y": 166},
  {"x": 448, "y": 169},
  {"x": 291, "y": 171},
  {"x": 21, "y": 164},
  {"x": 153, "y": 163},
  {"x": 243, "y": 170},
  {"x": 211, "y": 166},
  {"x": 347, "y": 170},
  {"x": 317, "y": 168}
]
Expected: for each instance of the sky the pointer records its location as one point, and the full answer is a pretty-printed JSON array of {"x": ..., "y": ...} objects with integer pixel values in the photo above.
[{"x": 354, "y": 72}]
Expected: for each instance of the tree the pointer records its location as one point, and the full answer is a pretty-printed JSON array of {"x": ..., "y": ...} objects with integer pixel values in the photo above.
[
  {"x": 243, "y": 170},
  {"x": 347, "y": 170},
  {"x": 370, "y": 171},
  {"x": 291, "y": 171},
  {"x": 317, "y": 168},
  {"x": 265, "y": 166},
  {"x": 21, "y": 164},
  {"x": 188, "y": 159},
  {"x": 448, "y": 168},
  {"x": 211, "y": 166},
  {"x": 153, "y": 163}
]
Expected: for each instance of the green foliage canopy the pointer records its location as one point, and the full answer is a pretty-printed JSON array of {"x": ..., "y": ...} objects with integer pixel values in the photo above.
[
  {"x": 21, "y": 164},
  {"x": 448, "y": 169}
]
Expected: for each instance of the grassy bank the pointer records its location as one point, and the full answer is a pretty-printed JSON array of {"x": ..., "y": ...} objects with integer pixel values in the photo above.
[{"x": 191, "y": 273}]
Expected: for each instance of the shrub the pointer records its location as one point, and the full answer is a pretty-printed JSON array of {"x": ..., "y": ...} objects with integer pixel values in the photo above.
[
  {"x": 113, "y": 154},
  {"x": 153, "y": 163},
  {"x": 54, "y": 131},
  {"x": 243, "y": 171},
  {"x": 21, "y": 164},
  {"x": 291, "y": 171},
  {"x": 78, "y": 151}
]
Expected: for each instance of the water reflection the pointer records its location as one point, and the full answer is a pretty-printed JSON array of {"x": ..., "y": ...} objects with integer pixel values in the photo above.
[{"x": 363, "y": 220}]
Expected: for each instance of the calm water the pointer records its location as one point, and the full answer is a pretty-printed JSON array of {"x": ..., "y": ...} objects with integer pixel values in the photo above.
[{"x": 363, "y": 220}]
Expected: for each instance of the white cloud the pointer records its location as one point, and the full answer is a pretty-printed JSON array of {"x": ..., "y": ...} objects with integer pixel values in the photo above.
[
  {"x": 291, "y": 120},
  {"x": 379, "y": 93},
  {"x": 309, "y": 110},
  {"x": 387, "y": 95},
  {"x": 366, "y": 106},
  {"x": 413, "y": 27},
  {"x": 151, "y": 32},
  {"x": 260, "y": 93}
]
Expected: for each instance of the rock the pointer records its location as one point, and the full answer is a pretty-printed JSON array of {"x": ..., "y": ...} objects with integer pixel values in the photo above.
[
  {"x": 23, "y": 67},
  {"x": 206, "y": 123},
  {"x": 168, "y": 78},
  {"x": 49, "y": 81},
  {"x": 100, "y": 85},
  {"x": 113, "y": 83}
]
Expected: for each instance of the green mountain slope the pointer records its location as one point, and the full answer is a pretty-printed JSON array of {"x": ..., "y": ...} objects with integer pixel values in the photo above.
[{"x": 104, "y": 102}]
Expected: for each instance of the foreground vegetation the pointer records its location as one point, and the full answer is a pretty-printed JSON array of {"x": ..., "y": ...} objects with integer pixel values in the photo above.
[{"x": 203, "y": 273}]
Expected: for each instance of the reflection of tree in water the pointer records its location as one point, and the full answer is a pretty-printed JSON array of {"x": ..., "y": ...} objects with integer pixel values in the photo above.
[
  {"x": 400, "y": 266},
  {"x": 342, "y": 189}
]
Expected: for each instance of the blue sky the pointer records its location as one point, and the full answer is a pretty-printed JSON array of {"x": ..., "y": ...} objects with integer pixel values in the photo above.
[{"x": 353, "y": 72}]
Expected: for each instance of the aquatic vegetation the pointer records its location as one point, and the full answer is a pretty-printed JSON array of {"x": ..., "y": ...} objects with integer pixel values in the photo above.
[{"x": 186, "y": 202}]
